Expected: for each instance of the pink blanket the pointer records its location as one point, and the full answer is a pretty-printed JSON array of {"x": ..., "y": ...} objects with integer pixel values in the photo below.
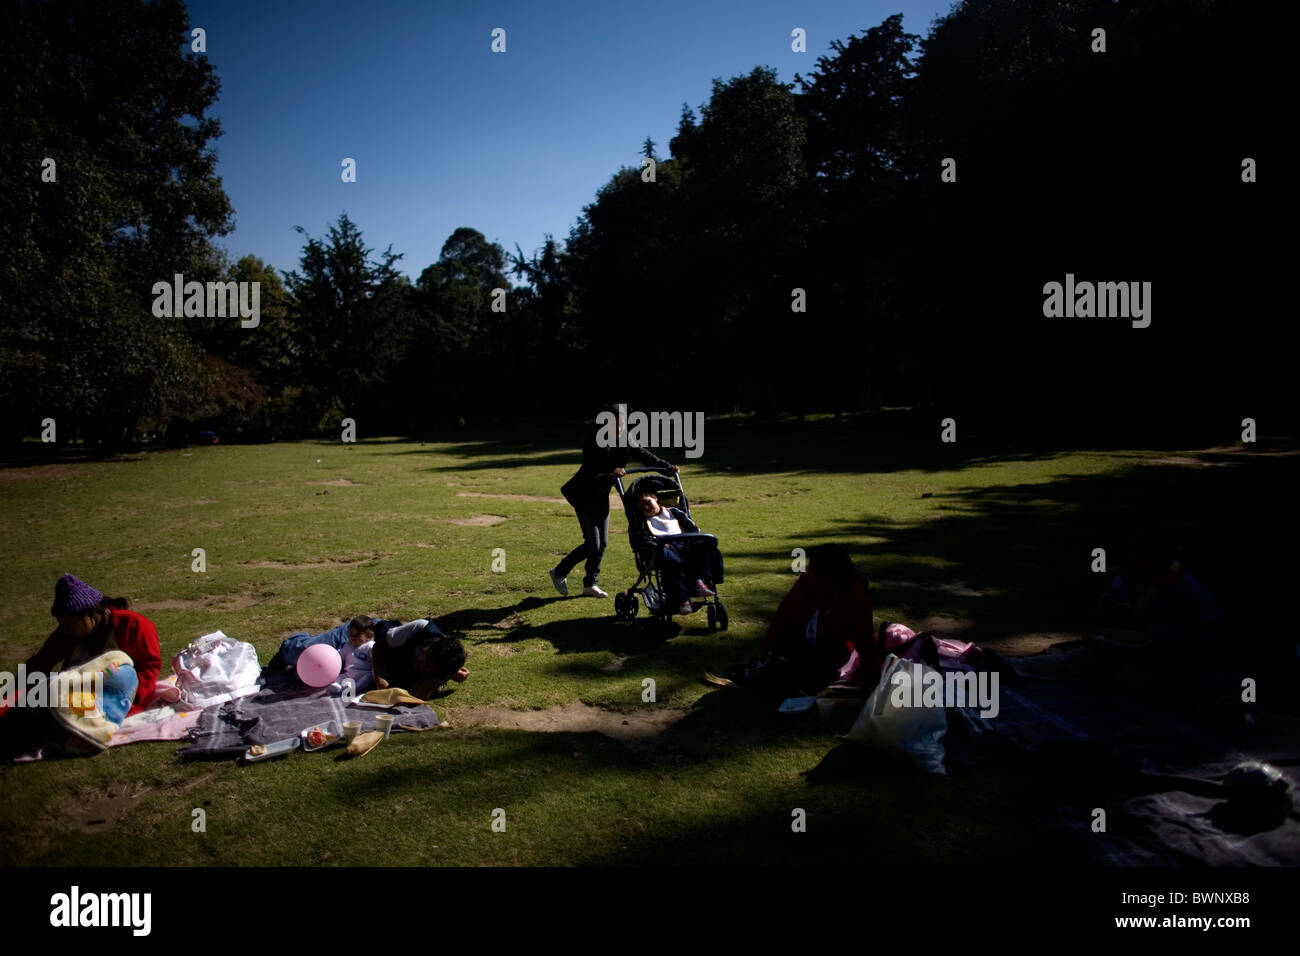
[{"x": 163, "y": 719}]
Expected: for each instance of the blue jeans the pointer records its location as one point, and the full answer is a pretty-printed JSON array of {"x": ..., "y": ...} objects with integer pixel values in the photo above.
[
  {"x": 594, "y": 519},
  {"x": 291, "y": 648},
  {"x": 685, "y": 563}
]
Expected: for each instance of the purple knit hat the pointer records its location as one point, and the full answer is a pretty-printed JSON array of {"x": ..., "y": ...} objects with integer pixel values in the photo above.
[{"x": 73, "y": 597}]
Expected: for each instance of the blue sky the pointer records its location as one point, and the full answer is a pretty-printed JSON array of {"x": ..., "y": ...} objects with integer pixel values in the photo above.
[{"x": 446, "y": 133}]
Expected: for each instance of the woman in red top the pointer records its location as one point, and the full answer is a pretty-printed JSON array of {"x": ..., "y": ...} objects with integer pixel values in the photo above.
[
  {"x": 89, "y": 625},
  {"x": 826, "y": 615}
]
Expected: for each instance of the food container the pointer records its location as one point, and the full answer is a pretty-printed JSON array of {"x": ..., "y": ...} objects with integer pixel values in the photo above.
[{"x": 321, "y": 735}]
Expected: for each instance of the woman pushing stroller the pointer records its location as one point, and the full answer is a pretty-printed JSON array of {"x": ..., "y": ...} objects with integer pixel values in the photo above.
[{"x": 588, "y": 492}]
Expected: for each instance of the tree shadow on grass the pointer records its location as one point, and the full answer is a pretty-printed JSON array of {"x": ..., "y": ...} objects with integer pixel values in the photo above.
[
  {"x": 733, "y": 449},
  {"x": 474, "y": 618},
  {"x": 586, "y": 634},
  {"x": 1032, "y": 543}
]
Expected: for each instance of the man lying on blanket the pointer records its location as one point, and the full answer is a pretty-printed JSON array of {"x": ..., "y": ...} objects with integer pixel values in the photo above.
[{"x": 417, "y": 657}]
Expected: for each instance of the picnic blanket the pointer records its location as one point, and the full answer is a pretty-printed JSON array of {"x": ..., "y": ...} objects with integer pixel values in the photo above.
[
  {"x": 1158, "y": 771},
  {"x": 166, "y": 718},
  {"x": 271, "y": 715}
]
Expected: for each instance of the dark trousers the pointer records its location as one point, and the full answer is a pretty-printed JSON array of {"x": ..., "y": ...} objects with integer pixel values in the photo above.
[
  {"x": 593, "y": 516},
  {"x": 686, "y": 562}
]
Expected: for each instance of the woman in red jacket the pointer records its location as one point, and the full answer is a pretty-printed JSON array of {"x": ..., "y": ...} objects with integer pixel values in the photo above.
[
  {"x": 89, "y": 625},
  {"x": 816, "y": 627}
]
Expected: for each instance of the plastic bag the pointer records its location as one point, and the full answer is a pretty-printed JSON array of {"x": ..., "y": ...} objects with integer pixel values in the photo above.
[
  {"x": 915, "y": 732},
  {"x": 215, "y": 669}
]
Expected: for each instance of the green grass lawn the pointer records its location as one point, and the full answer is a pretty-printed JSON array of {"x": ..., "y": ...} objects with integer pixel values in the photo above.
[{"x": 983, "y": 542}]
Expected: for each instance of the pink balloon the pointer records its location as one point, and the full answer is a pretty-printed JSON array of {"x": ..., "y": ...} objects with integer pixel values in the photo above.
[{"x": 319, "y": 665}]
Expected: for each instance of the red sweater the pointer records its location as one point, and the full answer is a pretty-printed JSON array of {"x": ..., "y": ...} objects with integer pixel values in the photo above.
[
  {"x": 845, "y": 620},
  {"x": 135, "y": 636}
]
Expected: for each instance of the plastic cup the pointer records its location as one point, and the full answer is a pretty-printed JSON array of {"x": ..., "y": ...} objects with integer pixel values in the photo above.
[
  {"x": 384, "y": 724},
  {"x": 350, "y": 729}
]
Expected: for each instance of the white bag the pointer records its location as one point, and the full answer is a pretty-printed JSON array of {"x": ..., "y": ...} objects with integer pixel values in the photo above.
[
  {"x": 215, "y": 669},
  {"x": 915, "y": 732}
]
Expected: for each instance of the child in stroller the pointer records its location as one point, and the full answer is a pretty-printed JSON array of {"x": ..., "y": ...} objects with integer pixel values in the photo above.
[{"x": 677, "y": 564}]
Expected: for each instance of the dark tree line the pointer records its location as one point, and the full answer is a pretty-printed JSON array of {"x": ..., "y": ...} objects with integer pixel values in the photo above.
[{"x": 678, "y": 292}]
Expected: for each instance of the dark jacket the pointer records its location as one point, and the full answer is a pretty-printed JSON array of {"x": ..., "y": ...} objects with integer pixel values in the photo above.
[
  {"x": 643, "y": 539},
  {"x": 595, "y": 476}
]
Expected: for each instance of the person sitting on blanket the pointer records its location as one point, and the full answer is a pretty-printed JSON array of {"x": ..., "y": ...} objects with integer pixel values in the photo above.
[
  {"x": 355, "y": 632},
  {"x": 826, "y": 615},
  {"x": 89, "y": 625},
  {"x": 417, "y": 657},
  {"x": 685, "y": 564}
]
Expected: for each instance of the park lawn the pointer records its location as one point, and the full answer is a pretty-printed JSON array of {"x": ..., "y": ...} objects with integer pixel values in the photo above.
[{"x": 297, "y": 536}]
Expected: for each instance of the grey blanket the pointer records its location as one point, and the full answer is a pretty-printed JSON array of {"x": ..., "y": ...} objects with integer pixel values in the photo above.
[
  {"x": 230, "y": 729},
  {"x": 1158, "y": 774}
]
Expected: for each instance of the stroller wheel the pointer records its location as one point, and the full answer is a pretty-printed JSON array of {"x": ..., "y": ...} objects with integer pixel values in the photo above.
[
  {"x": 711, "y": 616},
  {"x": 620, "y": 605},
  {"x": 722, "y": 616}
]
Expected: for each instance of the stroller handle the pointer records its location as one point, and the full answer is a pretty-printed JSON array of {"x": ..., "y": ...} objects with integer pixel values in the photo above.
[{"x": 676, "y": 477}]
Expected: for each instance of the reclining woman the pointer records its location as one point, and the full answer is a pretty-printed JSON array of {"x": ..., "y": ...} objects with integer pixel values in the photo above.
[
  {"x": 89, "y": 625},
  {"x": 686, "y": 563}
]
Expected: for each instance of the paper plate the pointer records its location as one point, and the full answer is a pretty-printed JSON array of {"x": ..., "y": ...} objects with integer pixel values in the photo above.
[
  {"x": 277, "y": 749},
  {"x": 332, "y": 732}
]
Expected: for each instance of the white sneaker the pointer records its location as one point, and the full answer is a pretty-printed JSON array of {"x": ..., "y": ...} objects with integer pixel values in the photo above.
[
  {"x": 593, "y": 591},
  {"x": 560, "y": 584}
]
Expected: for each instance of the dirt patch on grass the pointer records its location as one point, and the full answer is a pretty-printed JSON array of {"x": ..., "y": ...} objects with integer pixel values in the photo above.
[
  {"x": 335, "y": 483},
  {"x": 1250, "y": 452},
  {"x": 310, "y": 565},
  {"x": 478, "y": 521},
  {"x": 633, "y": 726},
  {"x": 782, "y": 494},
  {"x": 41, "y": 472},
  {"x": 236, "y": 602},
  {"x": 484, "y": 494},
  {"x": 95, "y": 813},
  {"x": 1183, "y": 460},
  {"x": 501, "y": 650},
  {"x": 509, "y": 623}
]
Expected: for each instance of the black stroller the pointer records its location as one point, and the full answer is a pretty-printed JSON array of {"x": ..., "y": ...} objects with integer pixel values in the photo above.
[{"x": 648, "y": 551}]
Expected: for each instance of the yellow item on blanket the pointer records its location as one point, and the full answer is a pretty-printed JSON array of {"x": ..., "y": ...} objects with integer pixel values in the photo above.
[
  {"x": 78, "y": 709},
  {"x": 390, "y": 696},
  {"x": 362, "y": 744}
]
